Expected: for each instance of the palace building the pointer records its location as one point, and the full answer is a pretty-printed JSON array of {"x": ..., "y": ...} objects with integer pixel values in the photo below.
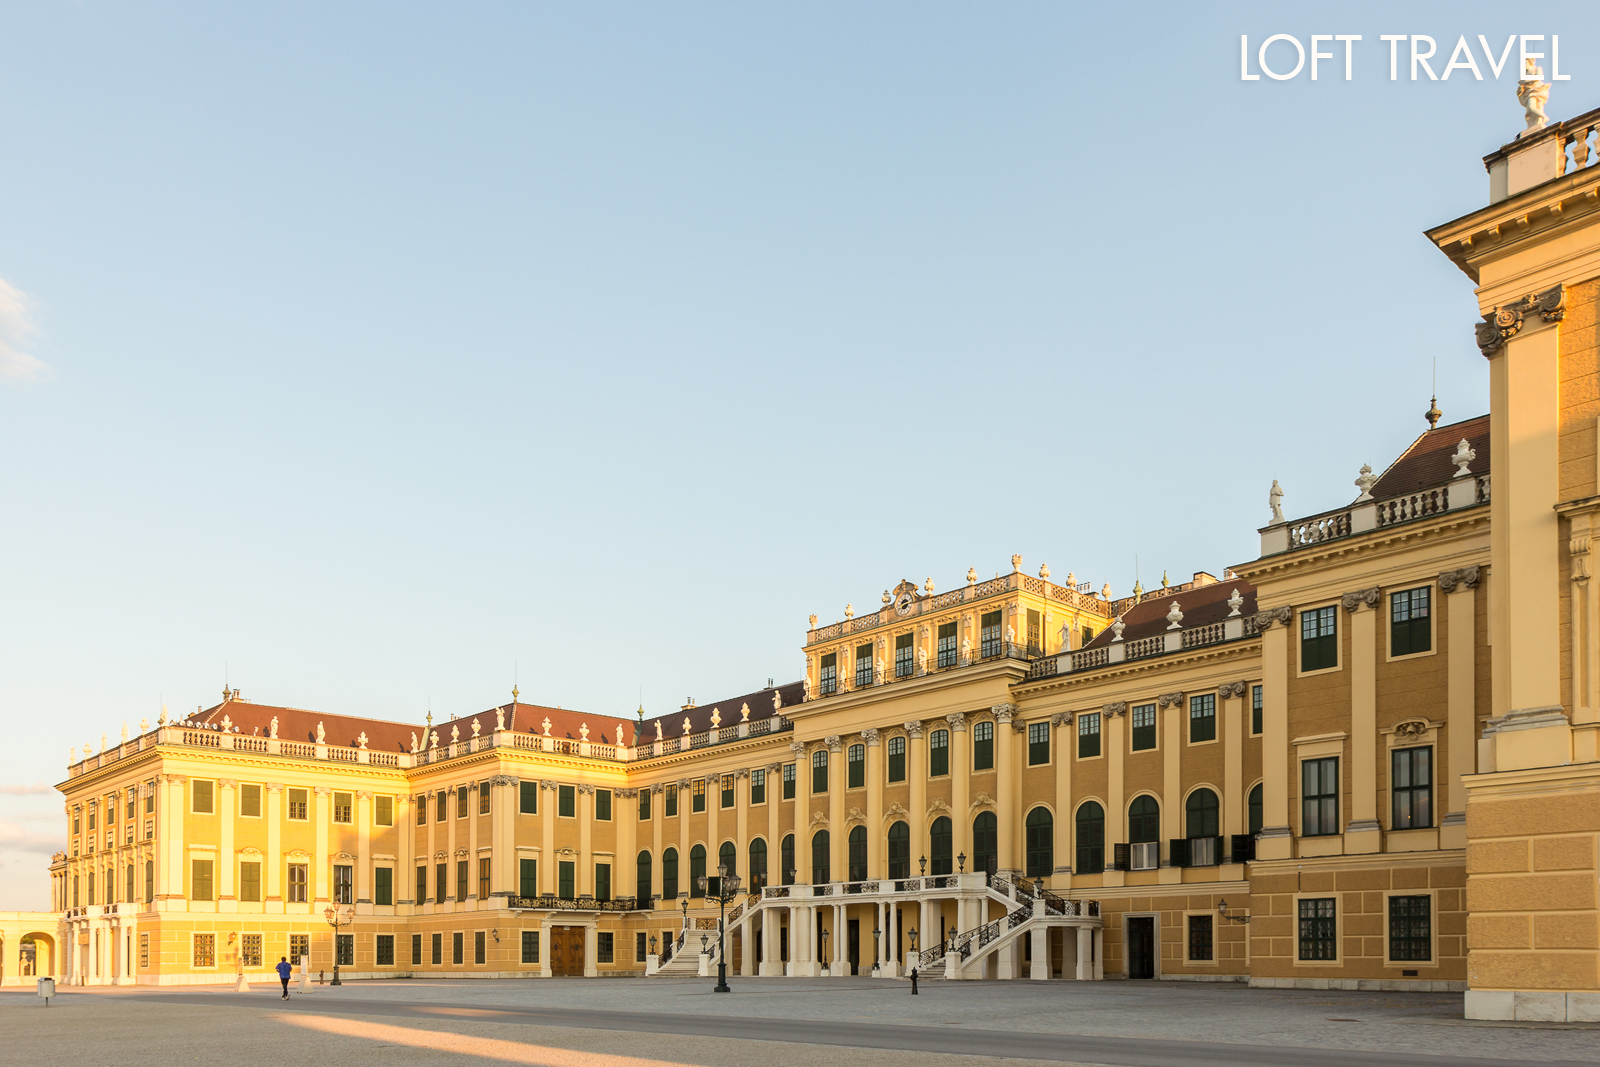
[{"x": 1368, "y": 758}]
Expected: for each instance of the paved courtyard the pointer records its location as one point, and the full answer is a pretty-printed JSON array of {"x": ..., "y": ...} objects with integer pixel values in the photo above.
[{"x": 659, "y": 1022}]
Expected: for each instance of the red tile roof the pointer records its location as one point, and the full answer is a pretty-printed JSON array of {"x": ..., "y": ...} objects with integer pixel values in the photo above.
[
  {"x": 728, "y": 711},
  {"x": 1200, "y": 606},
  {"x": 1426, "y": 463}
]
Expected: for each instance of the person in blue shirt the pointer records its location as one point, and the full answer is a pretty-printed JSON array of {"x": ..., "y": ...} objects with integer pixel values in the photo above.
[{"x": 284, "y": 970}]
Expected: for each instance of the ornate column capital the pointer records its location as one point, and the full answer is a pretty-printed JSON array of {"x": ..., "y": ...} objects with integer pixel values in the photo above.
[
  {"x": 627, "y": 794},
  {"x": 1505, "y": 322},
  {"x": 546, "y": 783},
  {"x": 870, "y": 734},
  {"x": 742, "y": 773},
  {"x": 798, "y": 748},
  {"x": 1230, "y": 689},
  {"x": 322, "y": 790},
  {"x": 913, "y": 729},
  {"x": 1115, "y": 708},
  {"x": 1061, "y": 718},
  {"x": 586, "y": 789},
  {"x": 225, "y": 783},
  {"x": 1004, "y": 712},
  {"x": 833, "y": 742},
  {"x": 1265, "y": 619},
  {"x": 1370, "y": 597},
  {"x": 1466, "y": 577},
  {"x": 1170, "y": 700},
  {"x": 504, "y": 779},
  {"x": 274, "y": 787},
  {"x": 958, "y": 721},
  {"x": 774, "y": 768}
]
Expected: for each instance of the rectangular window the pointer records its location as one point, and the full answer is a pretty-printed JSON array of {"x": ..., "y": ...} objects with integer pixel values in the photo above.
[
  {"x": 993, "y": 644},
  {"x": 727, "y": 790},
  {"x": 461, "y": 802},
  {"x": 528, "y": 797},
  {"x": 416, "y": 950},
  {"x": 131, "y": 873},
  {"x": 440, "y": 883},
  {"x": 644, "y": 804},
  {"x": 863, "y": 666},
  {"x": 602, "y": 805},
  {"x": 983, "y": 745},
  {"x": 1319, "y": 796},
  {"x": 819, "y": 771},
  {"x": 604, "y": 951},
  {"x": 1088, "y": 735},
  {"x": 483, "y": 798},
  {"x": 1035, "y": 633},
  {"x": 483, "y": 877},
  {"x": 383, "y": 885},
  {"x": 1410, "y": 928},
  {"x": 1411, "y": 785},
  {"x": 149, "y": 881},
  {"x": 938, "y": 753},
  {"x": 602, "y": 881},
  {"x": 528, "y": 878},
  {"x": 479, "y": 946},
  {"x": 1200, "y": 947},
  {"x": 697, "y": 793},
  {"x": 530, "y": 946},
  {"x": 437, "y": 949},
  {"x": 461, "y": 879},
  {"x": 205, "y": 950},
  {"x": 897, "y": 759},
  {"x": 1038, "y": 744},
  {"x": 250, "y": 950},
  {"x": 758, "y": 786},
  {"x": 904, "y": 656},
  {"x": 297, "y": 883},
  {"x": 149, "y": 798},
  {"x": 299, "y": 804},
  {"x": 828, "y": 674},
  {"x": 566, "y": 873},
  {"x": 671, "y": 802},
  {"x": 1409, "y": 623},
  {"x": 144, "y": 951},
  {"x": 343, "y": 807},
  {"x": 200, "y": 880},
  {"x": 1319, "y": 639},
  {"x": 249, "y": 882},
  {"x": 639, "y": 950},
  {"x": 1144, "y": 727},
  {"x": 421, "y": 804},
  {"x": 1318, "y": 929},
  {"x": 383, "y": 811},
  {"x": 1255, "y": 709},
  {"x": 346, "y": 949},
  {"x": 299, "y": 947},
  {"x": 383, "y": 950},
  {"x": 856, "y": 767},
  {"x": 949, "y": 654},
  {"x": 1203, "y": 718},
  {"x": 458, "y": 948},
  {"x": 566, "y": 801},
  {"x": 422, "y": 885},
  {"x": 788, "y": 781},
  {"x": 343, "y": 884},
  {"x": 440, "y": 811},
  {"x": 203, "y": 793},
  {"x": 249, "y": 802},
  {"x": 128, "y": 809}
]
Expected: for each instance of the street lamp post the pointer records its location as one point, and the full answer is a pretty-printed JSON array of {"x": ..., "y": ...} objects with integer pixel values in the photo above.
[
  {"x": 961, "y": 863},
  {"x": 726, "y": 889},
  {"x": 924, "y": 862},
  {"x": 877, "y": 948},
  {"x": 336, "y": 918}
]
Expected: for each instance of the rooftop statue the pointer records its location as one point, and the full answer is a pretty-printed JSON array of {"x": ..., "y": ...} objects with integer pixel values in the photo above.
[
  {"x": 1533, "y": 92},
  {"x": 1275, "y": 502}
]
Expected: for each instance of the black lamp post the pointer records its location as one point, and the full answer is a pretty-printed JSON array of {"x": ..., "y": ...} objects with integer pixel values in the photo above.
[
  {"x": 726, "y": 889},
  {"x": 877, "y": 948},
  {"x": 337, "y": 918},
  {"x": 652, "y": 944},
  {"x": 825, "y": 961},
  {"x": 961, "y": 863},
  {"x": 924, "y": 862}
]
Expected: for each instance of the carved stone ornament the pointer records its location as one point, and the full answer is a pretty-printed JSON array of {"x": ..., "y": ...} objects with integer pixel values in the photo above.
[
  {"x": 1412, "y": 730},
  {"x": 1504, "y": 323},
  {"x": 503, "y": 779},
  {"x": 1464, "y": 455},
  {"x": 275, "y": 787},
  {"x": 1466, "y": 577},
  {"x": 683, "y": 784},
  {"x": 1365, "y": 480},
  {"x": 895, "y": 809},
  {"x": 226, "y": 783},
  {"x": 855, "y": 815},
  {"x": 913, "y": 729},
  {"x": 547, "y": 784},
  {"x": 870, "y": 735},
  {"x": 938, "y": 804},
  {"x": 981, "y": 800},
  {"x": 1578, "y": 547},
  {"x": 819, "y": 818},
  {"x": 586, "y": 789},
  {"x": 1004, "y": 712},
  {"x": 1369, "y": 597},
  {"x": 1170, "y": 700},
  {"x": 742, "y": 773},
  {"x": 1061, "y": 718},
  {"x": 1230, "y": 689},
  {"x": 628, "y": 794},
  {"x": 958, "y": 721},
  {"x": 322, "y": 790},
  {"x": 774, "y": 768},
  {"x": 1114, "y": 709},
  {"x": 833, "y": 742},
  {"x": 1265, "y": 619}
]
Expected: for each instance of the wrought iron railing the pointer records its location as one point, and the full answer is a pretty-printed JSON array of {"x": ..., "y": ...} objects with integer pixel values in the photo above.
[{"x": 552, "y": 902}]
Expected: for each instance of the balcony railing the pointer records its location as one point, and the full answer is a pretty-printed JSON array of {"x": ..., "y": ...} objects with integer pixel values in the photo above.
[
  {"x": 552, "y": 902},
  {"x": 988, "y": 652},
  {"x": 1233, "y": 629},
  {"x": 1076, "y": 597},
  {"x": 1465, "y": 492}
]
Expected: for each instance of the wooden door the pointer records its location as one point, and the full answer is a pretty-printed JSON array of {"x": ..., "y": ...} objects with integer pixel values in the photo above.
[
  {"x": 566, "y": 951},
  {"x": 1142, "y": 947}
]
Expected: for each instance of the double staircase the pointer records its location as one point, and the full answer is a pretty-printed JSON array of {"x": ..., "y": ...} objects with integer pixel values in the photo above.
[
  {"x": 682, "y": 958},
  {"x": 1027, "y": 908}
]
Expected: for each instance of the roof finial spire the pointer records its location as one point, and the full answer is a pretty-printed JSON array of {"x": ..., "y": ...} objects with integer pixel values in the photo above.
[{"x": 1434, "y": 414}]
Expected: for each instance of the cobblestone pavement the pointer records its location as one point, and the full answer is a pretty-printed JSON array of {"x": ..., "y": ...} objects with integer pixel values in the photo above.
[{"x": 682, "y": 1021}]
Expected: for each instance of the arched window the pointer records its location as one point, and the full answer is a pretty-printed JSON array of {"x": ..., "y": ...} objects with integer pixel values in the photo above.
[
  {"x": 786, "y": 859},
  {"x": 819, "y": 771},
  {"x": 819, "y": 857},
  {"x": 728, "y": 856},
  {"x": 1041, "y": 845},
  {"x": 669, "y": 874},
  {"x": 939, "y": 846},
  {"x": 1200, "y": 814},
  {"x": 758, "y": 864},
  {"x": 985, "y": 842},
  {"x": 858, "y": 854},
  {"x": 697, "y": 870},
  {"x": 1255, "y": 810},
  {"x": 643, "y": 884},
  {"x": 1091, "y": 821},
  {"x": 1144, "y": 820},
  {"x": 899, "y": 851}
]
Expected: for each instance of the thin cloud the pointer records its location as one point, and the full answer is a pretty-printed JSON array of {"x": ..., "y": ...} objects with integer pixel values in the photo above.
[
  {"x": 36, "y": 789},
  {"x": 16, "y": 327},
  {"x": 14, "y": 837}
]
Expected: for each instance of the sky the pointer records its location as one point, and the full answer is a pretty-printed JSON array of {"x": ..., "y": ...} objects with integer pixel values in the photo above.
[{"x": 372, "y": 358}]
